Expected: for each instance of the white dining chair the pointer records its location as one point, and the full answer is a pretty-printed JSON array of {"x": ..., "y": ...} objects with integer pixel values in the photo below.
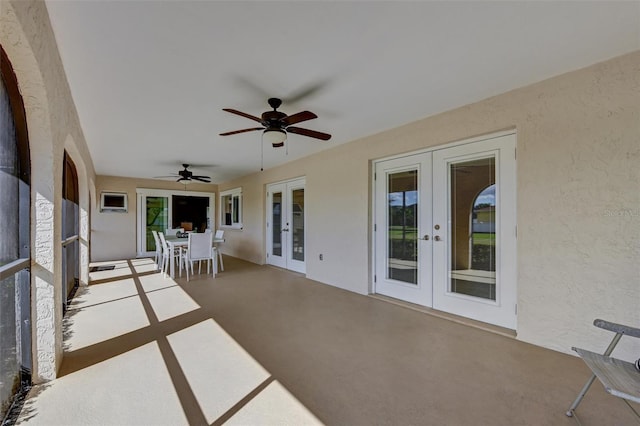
[
  {"x": 219, "y": 238},
  {"x": 199, "y": 248},
  {"x": 159, "y": 249},
  {"x": 166, "y": 254}
]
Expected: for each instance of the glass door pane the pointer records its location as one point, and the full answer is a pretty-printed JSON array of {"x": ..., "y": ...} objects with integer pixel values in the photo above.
[
  {"x": 157, "y": 216},
  {"x": 402, "y": 226},
  {"x": 276, "y": 224},
  {"x": 297, "y": 224},
  {"x": 473, "y": 228}
]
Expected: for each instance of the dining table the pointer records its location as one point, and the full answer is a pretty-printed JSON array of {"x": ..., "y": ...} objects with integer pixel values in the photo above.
[{"x": 176, "y": 242}]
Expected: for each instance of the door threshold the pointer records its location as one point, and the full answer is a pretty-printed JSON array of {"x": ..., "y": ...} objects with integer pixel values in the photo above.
[{"x": 495, "y": 329}]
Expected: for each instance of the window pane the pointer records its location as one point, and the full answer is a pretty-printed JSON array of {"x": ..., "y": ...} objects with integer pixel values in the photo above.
[
  {"x": 15, "y": 296},
  {"x": 276, "y": 220},
  {"x": 473, "y": 228},
  {"x": 402, "y": 202},
  {"x": 157, "y": 218},
  {"x": 236, "y": 209},
  {"x": 297, "y": 209},
  {"x": 227, "y": 209}
]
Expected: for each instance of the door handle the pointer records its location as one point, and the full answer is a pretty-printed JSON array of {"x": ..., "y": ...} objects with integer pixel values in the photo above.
[
  {"x": 285, "y": 230},
  {"x": 426, "y": 237}
]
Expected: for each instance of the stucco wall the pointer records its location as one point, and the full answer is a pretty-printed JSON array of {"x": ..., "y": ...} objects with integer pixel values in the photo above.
[
  {"x": 578, "y": 208},
  {"x": 114, "y": 234},
  {"x": 53, "y": 126}
]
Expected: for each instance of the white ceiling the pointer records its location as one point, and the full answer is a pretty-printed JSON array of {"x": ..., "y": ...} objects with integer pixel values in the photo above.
[{"x": 150, "y": 78}]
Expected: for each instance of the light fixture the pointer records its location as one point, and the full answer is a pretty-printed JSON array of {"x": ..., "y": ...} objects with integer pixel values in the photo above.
[{"x": 275, "y": 137}]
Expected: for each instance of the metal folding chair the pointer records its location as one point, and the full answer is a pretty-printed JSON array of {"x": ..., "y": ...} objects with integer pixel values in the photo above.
[{"x": 619, "y": 378}]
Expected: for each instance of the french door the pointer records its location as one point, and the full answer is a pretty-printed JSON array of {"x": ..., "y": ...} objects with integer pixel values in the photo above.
[
  {"x": 286, "y": 225},
  {"x": 445, "y": 229}
]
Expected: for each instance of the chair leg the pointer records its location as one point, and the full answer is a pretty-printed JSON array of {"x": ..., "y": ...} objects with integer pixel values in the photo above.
[
  {"x": 587, "y": 385},
  {"x": 220, "y": 261}
]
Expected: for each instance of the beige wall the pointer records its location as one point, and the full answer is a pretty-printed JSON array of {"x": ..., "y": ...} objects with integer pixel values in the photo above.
[
  {"x": 578, "y": 208},
  {"x": 114, "y": 234}
]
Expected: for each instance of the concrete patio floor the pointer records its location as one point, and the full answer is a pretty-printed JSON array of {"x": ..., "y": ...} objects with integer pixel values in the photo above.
[{"x": 262, "y": 346}]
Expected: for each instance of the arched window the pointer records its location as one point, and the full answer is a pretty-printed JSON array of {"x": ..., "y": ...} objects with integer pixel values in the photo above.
[
  {"x": 15, "y": 293},
  {"x": 483, "y": 230}
]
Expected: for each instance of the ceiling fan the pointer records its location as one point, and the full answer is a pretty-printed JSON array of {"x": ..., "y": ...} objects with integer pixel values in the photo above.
[
  {"x": 276, "y": 124},
  {"x": 186, "y": 176}
]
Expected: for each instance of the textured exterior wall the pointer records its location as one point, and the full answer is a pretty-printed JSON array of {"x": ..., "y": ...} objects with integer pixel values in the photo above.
[
  {"x": 114, "y": 234},
  {"x": 27, "y": 38},
  {"x": 578, "y": 208}
]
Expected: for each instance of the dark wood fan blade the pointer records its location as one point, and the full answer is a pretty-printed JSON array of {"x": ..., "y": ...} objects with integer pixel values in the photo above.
[
  {"x": 243, "y": 114},
  {"x": 298, "y": 118},
  {"x": 205, "y": 179},
  {"x": 310, "y": 133},
  {"x": 241, "y": 131},
  {"x": 164, "y": 177}
]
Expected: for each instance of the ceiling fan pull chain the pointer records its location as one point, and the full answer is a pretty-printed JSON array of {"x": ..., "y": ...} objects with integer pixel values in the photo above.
[{"x": 262, "y": 153}]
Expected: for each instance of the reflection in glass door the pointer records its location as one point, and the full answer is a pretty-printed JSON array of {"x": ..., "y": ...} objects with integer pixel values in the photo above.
[
  {"x": 297, "y": 224},
  {"x": 473, "y": 243},
  {"x": 276, "y": 224},
  {"x": 402, "y": 226},
  {"x": 286, "y": 225},
  {"x": 157, "y": 212}
]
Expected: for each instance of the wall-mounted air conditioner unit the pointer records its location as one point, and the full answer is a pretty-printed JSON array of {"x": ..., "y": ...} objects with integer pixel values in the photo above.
[{"x": 113, "y": 202}]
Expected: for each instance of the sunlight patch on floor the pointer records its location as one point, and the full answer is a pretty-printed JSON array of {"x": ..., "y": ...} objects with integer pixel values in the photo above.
[
  {"x": 219, "y": 371},
  {"x": 98, "y": 323},
  {"x": 144, "y": 265},
  {"x": 171, "y": 302},
  {"x": 121, "y": 269},
  {"x": 100, "y": 293},
  {"x": 132, "y": 388},
  {"x": 155, "y": 282},
  {"x": 274, "y": 406}
]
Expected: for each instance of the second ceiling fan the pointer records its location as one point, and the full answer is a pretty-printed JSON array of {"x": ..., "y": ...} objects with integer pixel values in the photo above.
[{"x": 276, "y": 124}]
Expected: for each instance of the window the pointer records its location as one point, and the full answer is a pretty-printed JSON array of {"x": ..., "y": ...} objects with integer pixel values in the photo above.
[
  {"x": 231, "y": 208},
  {"x": 113, "y": 202},
  {"x": 15, "y": 279}
]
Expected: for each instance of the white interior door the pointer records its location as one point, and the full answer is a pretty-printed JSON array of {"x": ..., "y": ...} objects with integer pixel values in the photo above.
[
  {"x": 445, "y": 229},
  {"x": 286, "y": 223},
  {"x": 402, "y": 224}
]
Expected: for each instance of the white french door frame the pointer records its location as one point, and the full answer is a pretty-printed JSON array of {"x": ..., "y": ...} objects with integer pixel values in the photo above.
[
  {"x": 506, "y": 271},
  {"x": 285, "y": 259},
  {"x": 419, "y": 292},
  {"x": 501, "y": 311},
  {"x": 141, "y": 214}
]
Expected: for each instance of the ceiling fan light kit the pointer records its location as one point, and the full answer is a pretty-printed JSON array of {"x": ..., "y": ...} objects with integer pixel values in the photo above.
[
  {"x": 275, "y": 137},
  {"x": 276, "y": 124}
]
